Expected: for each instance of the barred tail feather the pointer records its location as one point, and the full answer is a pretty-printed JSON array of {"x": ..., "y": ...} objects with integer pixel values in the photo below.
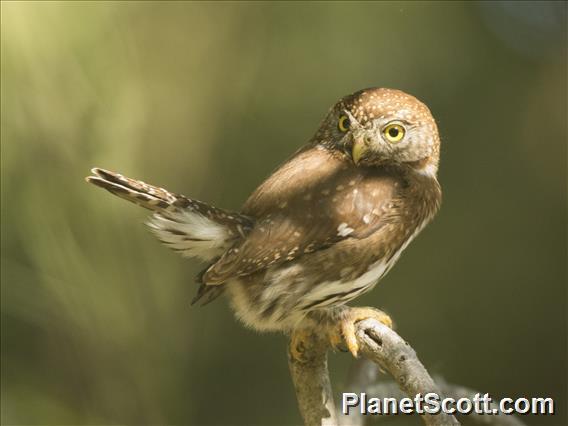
[
  {"x": 188, "y": 226},
  {"x": 135, "y": 191}
]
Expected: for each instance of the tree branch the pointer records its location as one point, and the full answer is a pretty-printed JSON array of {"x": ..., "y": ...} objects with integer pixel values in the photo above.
[
  {"x": 311, "y": 381},
  {"x": 377, "y": 343},
  {"x": 380, "y": 347},
  {"x": 383, "y": 346}
]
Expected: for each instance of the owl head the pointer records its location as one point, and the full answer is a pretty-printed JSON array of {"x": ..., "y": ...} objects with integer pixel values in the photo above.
[{"x": 383, "y": 126}]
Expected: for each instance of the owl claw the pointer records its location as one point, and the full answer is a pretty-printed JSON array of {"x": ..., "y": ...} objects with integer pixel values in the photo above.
[
  {"x": 336, "y": 340},
  {"x": 344, "y": 331},
  {"x": 298, "y": 343}
]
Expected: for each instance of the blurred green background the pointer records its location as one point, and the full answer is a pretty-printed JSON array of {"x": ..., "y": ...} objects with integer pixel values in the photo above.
[{"x": 206, "y": 99}]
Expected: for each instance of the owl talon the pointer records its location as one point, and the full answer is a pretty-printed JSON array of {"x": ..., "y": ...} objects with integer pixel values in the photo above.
[
  {"x": 298, "y": 343},
  {"x": 345, "y": 329}
]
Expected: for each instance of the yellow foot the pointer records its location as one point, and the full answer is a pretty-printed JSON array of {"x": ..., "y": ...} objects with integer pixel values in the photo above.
[
  {"x": 344, "y": 331},
  {"x": 299, "y": 341}
]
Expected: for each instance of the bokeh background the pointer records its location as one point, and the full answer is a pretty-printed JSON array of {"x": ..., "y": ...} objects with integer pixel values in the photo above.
[{"x": 206, "y": 99}]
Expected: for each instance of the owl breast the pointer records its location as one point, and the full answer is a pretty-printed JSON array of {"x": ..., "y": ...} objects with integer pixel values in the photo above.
[
  {"x": 281, "y": 297},
  {"x": 369, "y": 222}
]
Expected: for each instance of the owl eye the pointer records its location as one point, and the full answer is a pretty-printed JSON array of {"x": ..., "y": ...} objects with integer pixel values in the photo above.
[
  {"x": 343, "y": 123},
  {"x": 394, "y": 132}
]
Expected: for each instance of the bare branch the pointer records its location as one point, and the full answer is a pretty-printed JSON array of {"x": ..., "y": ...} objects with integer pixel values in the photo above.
[
  {"x": 377, "y": 343},
  {"x": 382, "y": 345},
  {"x": 311, "y": 381}
]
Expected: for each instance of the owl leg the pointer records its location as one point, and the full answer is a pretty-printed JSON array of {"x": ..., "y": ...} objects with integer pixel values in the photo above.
[
  {"x": 299, "y": 342},
  {"x": 307, "y": 343},
  {"x": 343, "y": 330},
  {"x": 338, "y": 326}
]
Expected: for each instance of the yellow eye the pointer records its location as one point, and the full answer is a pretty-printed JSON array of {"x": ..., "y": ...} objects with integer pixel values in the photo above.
[
  {"x": 394, "y": 132},
  {"x": 343, "y": 123}
]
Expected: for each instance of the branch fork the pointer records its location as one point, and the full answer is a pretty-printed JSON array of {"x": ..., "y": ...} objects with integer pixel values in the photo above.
[{"x": 379, "y": 346}]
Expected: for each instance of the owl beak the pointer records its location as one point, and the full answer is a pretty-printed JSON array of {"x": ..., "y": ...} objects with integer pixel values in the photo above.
[{"x": 359, "y": 149}]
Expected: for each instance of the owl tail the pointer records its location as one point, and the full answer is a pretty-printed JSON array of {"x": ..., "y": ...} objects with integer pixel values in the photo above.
[
  {"x": 190, "y": 227},
  {"x": 135, "y": 191}
]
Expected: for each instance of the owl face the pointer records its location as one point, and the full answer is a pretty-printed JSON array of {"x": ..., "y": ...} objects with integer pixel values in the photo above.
[{"x": 383, "y": 126}]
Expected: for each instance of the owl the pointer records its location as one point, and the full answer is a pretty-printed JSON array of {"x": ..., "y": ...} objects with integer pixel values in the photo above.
[{"x": 324, "y": 228}]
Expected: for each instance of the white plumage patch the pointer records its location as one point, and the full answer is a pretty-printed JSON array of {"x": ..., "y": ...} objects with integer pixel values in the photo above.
[
  {"x": 364, "y": 283},
  {"x": 429, "y": 170},
  {"x": 344, "y": 230},
  {"x": 191, "y": 234},
  {"x": 339, "y": 292}
]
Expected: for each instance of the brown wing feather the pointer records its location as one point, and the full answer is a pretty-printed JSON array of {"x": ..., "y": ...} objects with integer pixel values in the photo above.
[{"x": 336, "y": 201}]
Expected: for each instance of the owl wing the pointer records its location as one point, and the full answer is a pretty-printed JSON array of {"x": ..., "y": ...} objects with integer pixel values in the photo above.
[{"x": 350, "y": 205}]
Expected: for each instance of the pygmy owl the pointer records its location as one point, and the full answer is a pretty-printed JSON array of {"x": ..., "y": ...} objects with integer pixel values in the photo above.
[{"x": 324, "y": 228}]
